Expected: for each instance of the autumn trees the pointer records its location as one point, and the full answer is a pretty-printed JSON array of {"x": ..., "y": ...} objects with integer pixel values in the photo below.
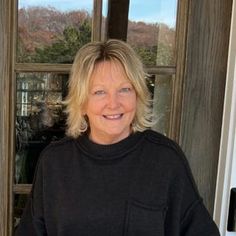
[{"x": 46, "y": 35}]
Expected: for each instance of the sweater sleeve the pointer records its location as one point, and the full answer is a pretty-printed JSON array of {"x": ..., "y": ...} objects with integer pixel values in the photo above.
[
  {"x": 195, "y": 219},
  {"x": 32, "y": 221},
  {"x": 30, "y": 225}
]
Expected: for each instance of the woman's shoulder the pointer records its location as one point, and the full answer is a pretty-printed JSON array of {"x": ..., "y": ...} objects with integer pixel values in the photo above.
[
  {"x": 161, "y": 140},
  {"x": 57, "y": 149},
  {"x": 63, "y": 142},
  {"x": 167, "y": 151}
]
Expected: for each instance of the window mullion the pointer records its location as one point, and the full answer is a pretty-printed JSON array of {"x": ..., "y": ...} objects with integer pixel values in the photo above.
[
  {"x": 97, "y": 20},
  {"x": 22, "y": 188},
  {"x": 161, "y": 70},
  {"x": 42, "y": 67}
]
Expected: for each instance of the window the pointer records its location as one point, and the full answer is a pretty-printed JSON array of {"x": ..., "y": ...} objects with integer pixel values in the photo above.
[
  {"x": 152, "y": 33},
  {"x": 48, "y": 34}
]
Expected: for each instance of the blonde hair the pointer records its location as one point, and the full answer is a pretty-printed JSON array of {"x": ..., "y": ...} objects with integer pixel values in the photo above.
[{"x": 86, "y": 59}]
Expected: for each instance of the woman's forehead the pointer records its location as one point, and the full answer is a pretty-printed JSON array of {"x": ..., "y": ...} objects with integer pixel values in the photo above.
[
  {"x": 109, "y": 64},
  {"x": 108, "y": 69}
]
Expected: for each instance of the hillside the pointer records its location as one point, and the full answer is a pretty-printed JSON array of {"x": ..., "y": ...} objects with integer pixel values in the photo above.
[{"x": 41, "y": 27}]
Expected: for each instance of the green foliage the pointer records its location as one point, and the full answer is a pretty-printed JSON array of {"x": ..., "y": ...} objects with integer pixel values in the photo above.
[
  {"x": 155, "y": 55},
  {"x": 64, "y": 50},
  {"x": 22, "y": 54},
  {"x": 147, "y": 54},
  {"x": 45, "y": 41},
  {"x": 164, "y": 55}
]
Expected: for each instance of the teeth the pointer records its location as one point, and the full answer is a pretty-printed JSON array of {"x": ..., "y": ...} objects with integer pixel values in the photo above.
[{"x": 113, "y": 116}]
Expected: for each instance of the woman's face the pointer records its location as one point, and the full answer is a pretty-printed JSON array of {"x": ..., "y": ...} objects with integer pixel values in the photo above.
[{"x": 111, "y": 104}]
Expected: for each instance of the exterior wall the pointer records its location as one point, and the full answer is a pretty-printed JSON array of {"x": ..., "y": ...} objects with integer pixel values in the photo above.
[{"x": 204, "y": 85}]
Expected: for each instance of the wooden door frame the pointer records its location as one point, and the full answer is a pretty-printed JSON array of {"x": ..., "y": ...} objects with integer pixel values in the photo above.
[
  {"x": 203, "y": 92},
  {"x": 6, "y": 116},
  {"x": 8, "y": 67}
]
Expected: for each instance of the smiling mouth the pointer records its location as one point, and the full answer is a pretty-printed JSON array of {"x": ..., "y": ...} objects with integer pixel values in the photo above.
[{"x": 113, "y": 117}]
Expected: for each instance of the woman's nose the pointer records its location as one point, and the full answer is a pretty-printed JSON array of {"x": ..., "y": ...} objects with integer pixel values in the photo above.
[{"x": 113, "y": 101}]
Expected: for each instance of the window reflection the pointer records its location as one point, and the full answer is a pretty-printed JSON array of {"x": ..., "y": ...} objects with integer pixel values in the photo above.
[
  {"x": 151, "y": 31},
  {"x": 52, "y": 31},
  {"x": 39, "y": 118},
  {"x": 160, "y": 87},
  {"x": 20, "y": 201},
  {"x": 162, "y": 95}
]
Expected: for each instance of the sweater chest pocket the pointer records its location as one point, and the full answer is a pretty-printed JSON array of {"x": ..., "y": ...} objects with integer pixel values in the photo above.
[{"x": 145, "y": 220}]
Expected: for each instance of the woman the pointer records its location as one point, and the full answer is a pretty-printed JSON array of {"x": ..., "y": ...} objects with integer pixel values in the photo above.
[{"x": 112, "y": 175}]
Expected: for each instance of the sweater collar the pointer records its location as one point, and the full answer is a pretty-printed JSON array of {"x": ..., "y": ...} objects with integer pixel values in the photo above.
[{"x": 110, "y": 151}]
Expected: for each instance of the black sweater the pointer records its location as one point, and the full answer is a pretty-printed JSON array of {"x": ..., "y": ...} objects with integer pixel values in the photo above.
[{"x": 140, "y": 186}]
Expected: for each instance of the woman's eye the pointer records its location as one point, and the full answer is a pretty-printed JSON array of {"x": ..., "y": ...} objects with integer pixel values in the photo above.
[
  {"x": 125, "y": 90},
  {"x": 99, "y": 92}
]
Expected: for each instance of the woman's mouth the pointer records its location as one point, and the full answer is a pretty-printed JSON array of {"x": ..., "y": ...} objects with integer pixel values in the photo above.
[{"x": 113, "y": 117}]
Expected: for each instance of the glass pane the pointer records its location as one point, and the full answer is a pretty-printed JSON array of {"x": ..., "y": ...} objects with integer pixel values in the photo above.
[
  {"x": 161, "y": 89},
  {"x": 151, "y": 30},
  {"x": 104, "y": 19},
  {"x": 20, "y": 201},
  {"x": 52, "y": 31},
  {"x": 39, "y": 118}
]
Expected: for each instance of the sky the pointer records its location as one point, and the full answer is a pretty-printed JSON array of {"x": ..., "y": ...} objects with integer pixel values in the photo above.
[{"x": 150, "y": 11}]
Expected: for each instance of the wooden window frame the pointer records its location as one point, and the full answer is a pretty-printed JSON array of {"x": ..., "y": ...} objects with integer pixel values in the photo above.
[{"x": 7, "y": 145}]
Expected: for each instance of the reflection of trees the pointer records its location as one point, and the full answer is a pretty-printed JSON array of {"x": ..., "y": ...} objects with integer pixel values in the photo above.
[
  {"x": 153, "y": 42},
  {"x": 46, "y": 29},
  {"x": 148, "y": 54},
  {"x": 164, "y": 55},
  {"x": 64, "y": 50},
  {"x": 48, "y": 35},
  {"x": 40, "y": 118},
  {"x": 156, "y": 55}
]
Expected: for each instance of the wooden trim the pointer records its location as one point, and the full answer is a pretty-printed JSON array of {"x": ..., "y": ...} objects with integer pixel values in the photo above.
[
  {"x": 12, "y": 88},
  {"x": 204, "y": 88},
  {"x": 12, "y": 102},
  {"x": 97, "y": 20},
  {"x": 65, "y": 68},
  {"x": 42, "y": 67},
  {"x": 160, "y": 70},
  {"x": 177, "y": 91},
  {"x": 6, "y": 129},
  {"x": 117, "y": 19},
  {"x": 22, "y": 188}
]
